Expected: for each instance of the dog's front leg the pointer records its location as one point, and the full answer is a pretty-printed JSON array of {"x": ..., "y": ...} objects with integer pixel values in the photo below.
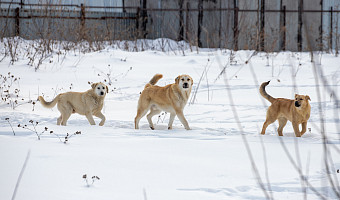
[
  {"x": 181, "y": 118},
  {"x": 304, "y": 128},
  {"x": 90, "y": 118},
  {"x": 296, "y": 129},
  {"x": 102, "y": 117}
]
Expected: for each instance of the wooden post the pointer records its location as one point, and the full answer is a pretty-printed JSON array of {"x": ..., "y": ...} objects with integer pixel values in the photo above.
[
  {"x": 144, "y": 19},
  {"x": 124, "y": 10},
  {"x": 187, "y": 23},
  {"x": 82, "y": 21},
  {"x": 321, "y": 28},
  {"x": 200, "y": 21},
  {"x": 235, "y": 28},
  {"x": 181, "y": 22},
  {"x": 137, "y": 22},
  {"x": 282, "y": 27},
  {"x": 331, "y": 30},
  {"x": 17, "y": 21},
  {"x": 299, "y": 36},
  {"x": 262, "y": 25}
]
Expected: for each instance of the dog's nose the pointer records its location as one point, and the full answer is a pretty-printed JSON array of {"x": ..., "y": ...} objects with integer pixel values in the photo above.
[
  {"x": 102, "y": 93},
  {"x": 185, "y": 85},
  {"x": 297, "y": 104}
]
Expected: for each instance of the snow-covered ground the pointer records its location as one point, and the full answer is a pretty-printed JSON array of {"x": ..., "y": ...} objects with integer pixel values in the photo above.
[{"x": 218, "y": 159}]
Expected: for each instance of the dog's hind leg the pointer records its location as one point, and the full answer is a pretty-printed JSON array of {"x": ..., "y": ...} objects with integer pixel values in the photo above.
[
  {"x": 270, "y": 118},
  {"x": 282, "y": 124},
  {"x": 171, "y": 120},
  {"x": 59, "y": 120},
  {"x": 141, "y": 112},
  {"x": 266, "y": 124},
  {"x": 152, "y": 113},
  {"x": 65, "y": 111},
  {"x": 65, "y": 116}
]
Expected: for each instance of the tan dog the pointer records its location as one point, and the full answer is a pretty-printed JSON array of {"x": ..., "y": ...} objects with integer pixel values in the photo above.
[
  {"x": 297, "y": 111},
  {"x": 171, "y": 98},
  {"x": 87, "y": 103}
]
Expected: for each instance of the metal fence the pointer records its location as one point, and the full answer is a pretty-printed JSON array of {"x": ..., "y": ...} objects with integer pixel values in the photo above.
[
  {"x": 294, "y": 26},
  {"x": 67, "y": 22}
]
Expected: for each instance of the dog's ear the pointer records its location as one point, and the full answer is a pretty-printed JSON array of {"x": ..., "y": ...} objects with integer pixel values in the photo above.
[
  {"x": 308, "y": 98},
  {"x": 107, "y": 89},
  {"x": 177, "y": 79},
  {"x": 94, "y": 85}
]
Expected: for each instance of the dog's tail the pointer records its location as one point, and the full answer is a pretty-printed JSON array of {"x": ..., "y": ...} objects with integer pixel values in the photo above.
[
  {"x": 264, "y": 93},
  {"x": 49, "y": 104},
  {"x": 154, "y": 80}
]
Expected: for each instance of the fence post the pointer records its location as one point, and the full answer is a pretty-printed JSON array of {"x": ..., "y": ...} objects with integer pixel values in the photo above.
[
  {"x": 235, "y": 28},
  {"x": 187, "y": 23},
  {"x": 299, "y": 36},
  {"x": 262, "y": 26},
  {"x": 181, "y": 24},
  {"x": 331, "y": 30},
  {"x": 17, "y": 21},
  {"x": 123, "y": 2},
  {"x": 137, "y": 22},
  {"x": 284, "y": 29},
  {"x": 321, "y": 27},
  {"x": 144, "y": 19},
  {"x": 82, "y": 21},
  {"x": 200, "y": 20}
]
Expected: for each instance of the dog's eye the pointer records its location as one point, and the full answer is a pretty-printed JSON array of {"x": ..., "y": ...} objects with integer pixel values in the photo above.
[
  {"x": 301, "y": 99},
  {"x": 103, "y": 88},
  {"x": 98, "y": 88},
  {"x": 182, "y": 79},
  {"x": 188, "y": 79}
]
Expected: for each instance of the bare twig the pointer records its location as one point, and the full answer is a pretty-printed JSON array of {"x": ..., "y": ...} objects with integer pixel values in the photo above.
[
  {"x": 7, "y": 119},
  {"x": 245, "y": 142},
  {"x": 20, "y": 175}
]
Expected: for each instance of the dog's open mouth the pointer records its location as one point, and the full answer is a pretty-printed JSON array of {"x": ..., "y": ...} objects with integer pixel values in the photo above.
[{"x": 297, "y": 104}]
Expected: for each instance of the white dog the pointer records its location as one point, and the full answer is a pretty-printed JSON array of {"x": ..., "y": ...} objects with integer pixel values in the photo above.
[{"x": 87, "y": 103}]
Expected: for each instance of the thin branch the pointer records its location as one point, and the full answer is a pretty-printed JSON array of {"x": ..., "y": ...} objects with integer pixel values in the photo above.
[
  {"x": 245, "y": 142},
  {"x": 20, "y": 175}
]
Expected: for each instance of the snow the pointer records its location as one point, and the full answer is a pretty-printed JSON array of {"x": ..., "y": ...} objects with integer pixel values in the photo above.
[{"x": 210, "y": 161}]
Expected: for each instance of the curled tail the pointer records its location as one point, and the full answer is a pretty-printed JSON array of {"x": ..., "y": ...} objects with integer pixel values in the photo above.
[
  {"x": 154, "y": 80},
  {"x": 49, "y": 104},
  {"x": 264, "y": 93}
]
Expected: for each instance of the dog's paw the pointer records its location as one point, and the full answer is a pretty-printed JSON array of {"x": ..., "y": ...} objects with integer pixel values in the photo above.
[{"x": 152, "y": 128}]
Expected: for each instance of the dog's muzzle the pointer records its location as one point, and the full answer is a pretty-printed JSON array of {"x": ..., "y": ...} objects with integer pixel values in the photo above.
[
  {"x": 297, "y": 104},
  {"x": 102, "y": 93},
  {"x": 185, "y": 85}
]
